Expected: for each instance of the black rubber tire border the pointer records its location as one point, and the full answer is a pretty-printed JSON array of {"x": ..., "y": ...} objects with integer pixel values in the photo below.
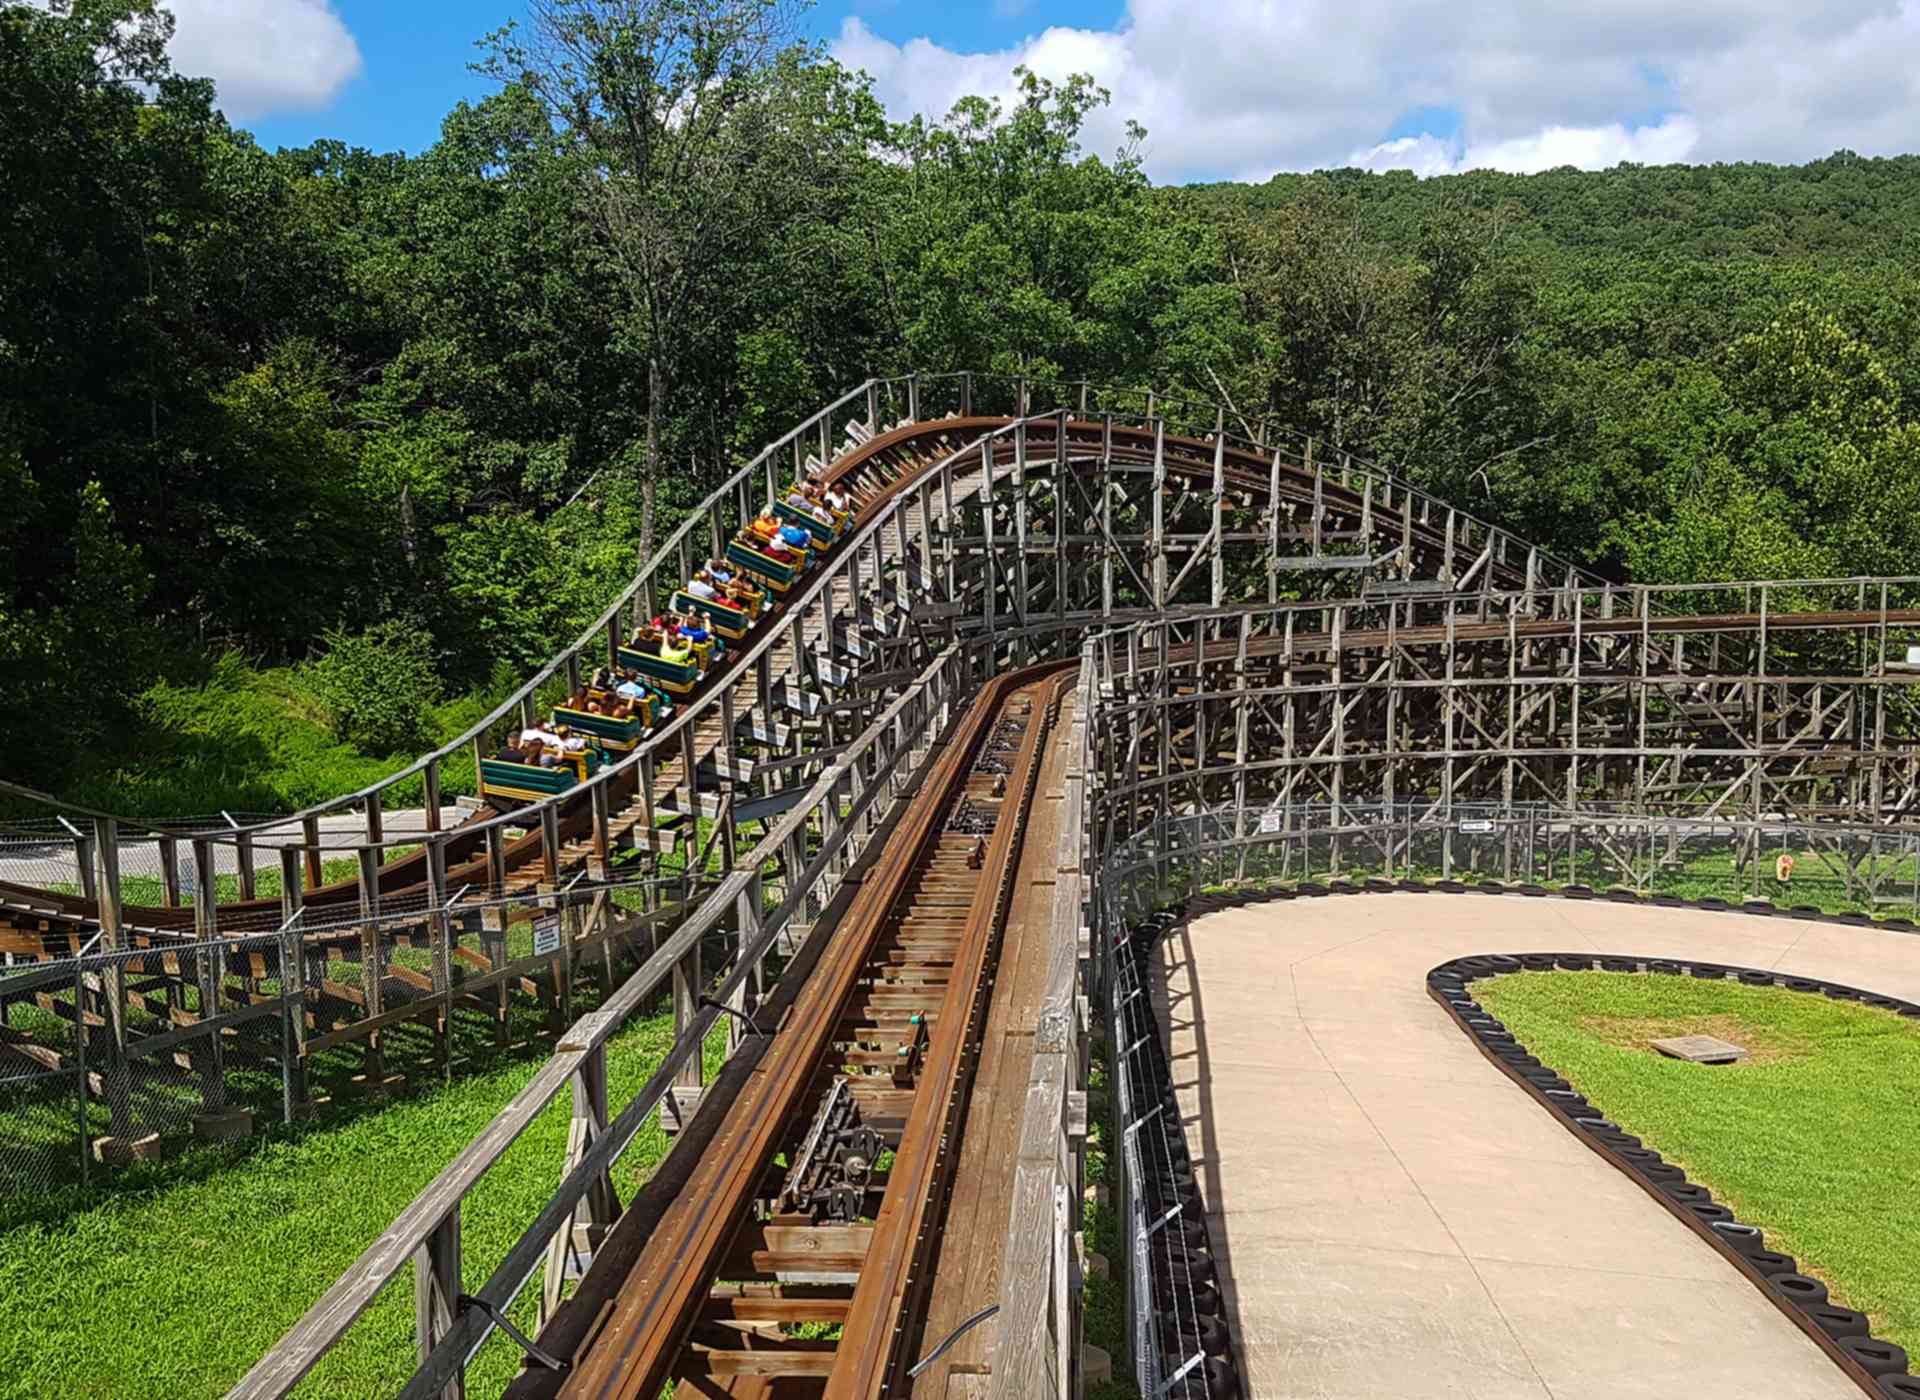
[{"x": 1579, "y": 1122}]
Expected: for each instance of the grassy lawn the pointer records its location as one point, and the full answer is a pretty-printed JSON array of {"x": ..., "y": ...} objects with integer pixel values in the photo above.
[
  {"x": 169, "y": 1284},
  {"x": 1812, "y": 1139}
]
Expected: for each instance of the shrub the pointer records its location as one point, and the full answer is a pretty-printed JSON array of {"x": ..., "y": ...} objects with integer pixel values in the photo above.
[{"x": 378, "y": 687}]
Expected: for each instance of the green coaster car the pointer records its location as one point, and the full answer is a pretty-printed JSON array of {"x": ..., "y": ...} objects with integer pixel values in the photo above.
[
  {"x": 622, "y": 735},
  {"x": 676, "y": 676},
  {"x": 529, "y": 782},
  {"x": 722, "y": 617},
  {"x": 779, "y": 576},
  {"x": 823, "y": 533}
]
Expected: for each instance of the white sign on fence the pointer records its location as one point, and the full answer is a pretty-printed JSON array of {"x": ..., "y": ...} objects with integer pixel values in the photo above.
[
  {"x": 1477, "y": 828},
  {"x": 1269, "y": 821},
  {"x": 546, "y": 936}
]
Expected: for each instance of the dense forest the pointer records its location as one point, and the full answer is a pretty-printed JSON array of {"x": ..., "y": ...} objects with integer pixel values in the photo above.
[{"x": 304, "y": 454}]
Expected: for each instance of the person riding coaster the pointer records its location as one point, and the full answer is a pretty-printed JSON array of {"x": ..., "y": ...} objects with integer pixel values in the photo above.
[
  {"x": 662, "y": 657},
  {"x": 767, "y": 559},
  {"x": 736, "y": 590},
  {"x": 775, "y": 531},
  {"x": 538, "y": 763},
  {"x": 632, "y": 685},
  {"x": 694, "y": 631},
  {"x": 802, "y": 509},
  {"x": 617, "y": 721},
  {"x": 724, "y": 616}
]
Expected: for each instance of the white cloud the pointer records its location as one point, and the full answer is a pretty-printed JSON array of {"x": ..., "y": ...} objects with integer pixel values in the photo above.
[
  {"x": 1588, "y": 147},
  {"x": 1241, "y": 88},
  {"x": 264, "y": 56},
  {"x": 1425, "y": 154}
]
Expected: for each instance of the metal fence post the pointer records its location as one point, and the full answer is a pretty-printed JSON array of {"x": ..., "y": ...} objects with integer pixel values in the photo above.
[
  {"x": 441, "y": 924},
  {"x": 293, "y": 1023},
  {"x": 106, "y": 850},
  {"x": 212, "y": 969}
]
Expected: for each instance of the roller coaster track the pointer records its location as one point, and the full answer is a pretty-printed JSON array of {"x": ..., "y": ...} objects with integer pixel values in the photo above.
[
  {"x": 888, "y": 1023},
  {"x": 1246, "y": 628},
  {"x": 1342, "y": 512}
]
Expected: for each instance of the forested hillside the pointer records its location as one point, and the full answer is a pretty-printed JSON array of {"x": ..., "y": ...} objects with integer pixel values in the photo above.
[{"x": 279, "y": 430}]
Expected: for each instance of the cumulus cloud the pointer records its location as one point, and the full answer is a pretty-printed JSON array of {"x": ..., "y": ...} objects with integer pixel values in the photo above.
[
  {"x": 1241, "y": 88},
  {"x": 264, "y": 56},
  {"x": 1589, "y": 147}
]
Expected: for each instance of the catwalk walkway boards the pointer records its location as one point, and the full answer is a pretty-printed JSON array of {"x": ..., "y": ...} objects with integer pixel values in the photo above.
[
  {"x": 1395, "y": 1217},
  {"x": 973, "y": 1239}
]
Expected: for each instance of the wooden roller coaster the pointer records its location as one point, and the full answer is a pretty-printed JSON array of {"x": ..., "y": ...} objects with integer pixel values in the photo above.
[
  {"x": 821, "y": 1196},
  {"x": 863, "y": 775}
]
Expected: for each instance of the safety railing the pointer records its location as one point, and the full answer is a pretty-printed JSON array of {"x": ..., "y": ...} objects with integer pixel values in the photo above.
[{"x": 453, "y": 1323}]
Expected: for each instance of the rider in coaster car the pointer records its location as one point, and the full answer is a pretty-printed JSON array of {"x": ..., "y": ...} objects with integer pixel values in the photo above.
[
  {"x": 806, "y": 496},
  {"x": 692, "y": 627},
  {"x": 770, "y": 545},
  {"x": 738, "y": 591}
]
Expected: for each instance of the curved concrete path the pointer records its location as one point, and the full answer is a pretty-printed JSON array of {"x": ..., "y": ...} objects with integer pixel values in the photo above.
[{"x": 1395, "y": 1217}]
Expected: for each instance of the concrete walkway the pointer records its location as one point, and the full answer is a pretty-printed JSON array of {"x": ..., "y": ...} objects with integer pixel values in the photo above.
[
  {"x": 48, "y": 864},
  {"x": 1394, "y": 1217}
]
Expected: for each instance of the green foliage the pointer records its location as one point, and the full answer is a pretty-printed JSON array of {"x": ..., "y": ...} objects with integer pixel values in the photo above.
[
  {"x": 1811, "y": 1141},
  {"x": 250, "y": 396},
  {"x": 271, "y": 1224},
  {"x": 250, "y": 738},
  {"x": 377, "y": 686}
]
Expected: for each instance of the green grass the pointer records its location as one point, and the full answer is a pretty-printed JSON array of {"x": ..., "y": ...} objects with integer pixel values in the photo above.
[
  {"x": 255, "y": 740},
  {"x": 150, "y": 891},
  {"x": 174, "y": 1279},
  {"x": 1813, "y": 1141}
]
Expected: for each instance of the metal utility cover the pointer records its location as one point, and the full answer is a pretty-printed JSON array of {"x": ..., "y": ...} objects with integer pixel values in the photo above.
[{"x": 1701, "y": 1049}]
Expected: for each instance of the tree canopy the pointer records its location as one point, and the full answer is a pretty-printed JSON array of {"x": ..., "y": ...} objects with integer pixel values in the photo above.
[{"x": 322, "y": 407}]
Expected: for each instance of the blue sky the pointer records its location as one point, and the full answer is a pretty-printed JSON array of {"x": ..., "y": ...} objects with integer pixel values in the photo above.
[
  {"x": 1226, "y": 88},
  {"x": 415, "y": 56}
]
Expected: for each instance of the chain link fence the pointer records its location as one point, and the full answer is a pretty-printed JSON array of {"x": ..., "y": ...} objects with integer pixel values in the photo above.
[
  {"x": 1830, "y": 868},
  {"x": 106, "y": 1056},
  {"x": 1172, "y": 1291}
]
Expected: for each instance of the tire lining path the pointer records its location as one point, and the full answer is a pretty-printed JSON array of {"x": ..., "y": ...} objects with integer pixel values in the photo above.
[{"x": 1394, "y": 1217}]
